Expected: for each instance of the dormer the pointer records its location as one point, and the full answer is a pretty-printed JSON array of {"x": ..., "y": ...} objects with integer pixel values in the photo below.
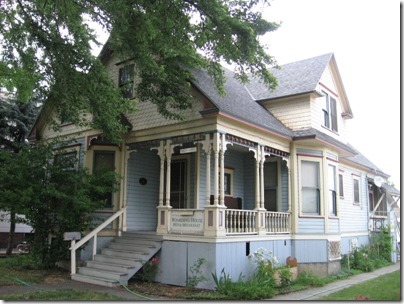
[{"x": 310, "y": 94}]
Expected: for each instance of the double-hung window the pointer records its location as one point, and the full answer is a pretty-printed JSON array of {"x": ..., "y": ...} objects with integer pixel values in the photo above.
[
  {"x": 330, "y": 112},
  {"x": 126, "y": 75},
  {"x": 310, "y": 181},
  {"x": 332, "y": 193},
  {"x": 355, "y": 180}
]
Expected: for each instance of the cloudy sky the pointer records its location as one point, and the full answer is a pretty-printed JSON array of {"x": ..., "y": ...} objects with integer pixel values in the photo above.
[{"x": 365, "y": 39}]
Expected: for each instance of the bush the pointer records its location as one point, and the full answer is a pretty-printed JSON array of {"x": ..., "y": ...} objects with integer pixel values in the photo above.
[
  {"x": 260, "y": 286},
  {"x": 307, "y": 279}
]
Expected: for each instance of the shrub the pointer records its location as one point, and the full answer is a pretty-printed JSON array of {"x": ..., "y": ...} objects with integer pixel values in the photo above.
[
  {"x": 149, "y": 270},
  {"x": 196, "y": 276},
  {"x": 260, "y": 286}
]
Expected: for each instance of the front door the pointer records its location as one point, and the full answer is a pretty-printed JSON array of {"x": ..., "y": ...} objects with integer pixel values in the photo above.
[{"x": 178, "y": 195}]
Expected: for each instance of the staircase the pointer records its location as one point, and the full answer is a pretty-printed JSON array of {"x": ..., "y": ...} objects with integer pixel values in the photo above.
[{"x": 120, "y": 260}]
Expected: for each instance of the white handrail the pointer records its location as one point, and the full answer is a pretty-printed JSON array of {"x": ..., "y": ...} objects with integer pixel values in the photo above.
[{"x": 74, "y": 246}]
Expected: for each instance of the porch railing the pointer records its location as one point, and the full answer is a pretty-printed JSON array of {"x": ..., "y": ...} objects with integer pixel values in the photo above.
[
  {"x": 92, "y": 234},
  {"x": 277, "y": 222},
  {"x": 240, "y": 221},
  {"x": 245, "y": 222}
]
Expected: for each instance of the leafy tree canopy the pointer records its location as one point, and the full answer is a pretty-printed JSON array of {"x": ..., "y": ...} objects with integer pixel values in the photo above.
[{"x": 46, "y": 47}]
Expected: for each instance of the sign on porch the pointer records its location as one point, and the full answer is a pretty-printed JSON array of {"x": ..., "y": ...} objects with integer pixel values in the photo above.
[
  {"x": 188, "y": 150},
  {"x": 183, "y": 222}
]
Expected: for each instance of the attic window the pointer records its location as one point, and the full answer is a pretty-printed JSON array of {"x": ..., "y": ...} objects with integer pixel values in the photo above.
[
  {"x": 330, "y": 112},
  {"x": 126, "y": 75}
]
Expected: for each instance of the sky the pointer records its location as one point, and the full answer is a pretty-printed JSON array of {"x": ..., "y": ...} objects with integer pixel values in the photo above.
[{"x": 365, "y": 39}]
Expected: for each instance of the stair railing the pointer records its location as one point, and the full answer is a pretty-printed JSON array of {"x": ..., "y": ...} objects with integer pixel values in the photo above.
[{"x": 93, "y": 234}]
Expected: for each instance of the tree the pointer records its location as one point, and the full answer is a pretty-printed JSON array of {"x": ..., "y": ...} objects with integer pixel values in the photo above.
[
  {"x": 53, "y": 196},
  {"x": 46, "y": 45},
  {"x": 16, "y": 118}
]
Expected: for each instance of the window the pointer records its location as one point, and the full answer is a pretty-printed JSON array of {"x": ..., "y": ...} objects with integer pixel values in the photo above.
[
  {"x": 104, "y": 161},
  {"x": 332, "y": 193},
  {"x": 178, "y": 195},
  {"x": 330, "y": 112},
  {"x": 341, "y": 185},
  {"x": 228, "y": 181},
  {"x": 67, "y": 160},
  {"x": 126, "y": 75},
  {"x": 270, "y": 185},
  {"x": 310, "y": 187},
  {"x": 356, "y": 189}
]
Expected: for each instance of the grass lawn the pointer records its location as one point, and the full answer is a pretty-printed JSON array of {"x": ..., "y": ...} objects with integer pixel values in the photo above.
[
  {"x": 61, "y": 295},
  {"x": 384, "y": 288}
]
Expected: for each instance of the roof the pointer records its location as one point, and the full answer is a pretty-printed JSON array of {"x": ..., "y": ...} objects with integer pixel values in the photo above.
[
  {"x": 360, "y": 159},
  {"x": 312, "y": 133},
  {"x": 293, "y": 78},
  {"x": 238, "y": 102}
]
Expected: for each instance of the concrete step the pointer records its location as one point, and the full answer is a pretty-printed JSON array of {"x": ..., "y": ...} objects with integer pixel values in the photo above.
[
  {"x": 94, "y": 280},
  {"x": 117, "y": 260},
  {"x": 111, "y": 266},
  {"x": 131, "y": 247},
  {"x": 124, "y": 253},
  {"x": 133, "y": 241},
  {"x": 102, "y": 273},
  {"x": 143, "y": 236}
]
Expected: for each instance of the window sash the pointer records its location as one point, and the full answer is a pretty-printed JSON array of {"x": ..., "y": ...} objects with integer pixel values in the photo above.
[
  {"x": 310, "y": 180},
  {"x": 341, "y": 185},
  {"x": 356, "y": 191}
]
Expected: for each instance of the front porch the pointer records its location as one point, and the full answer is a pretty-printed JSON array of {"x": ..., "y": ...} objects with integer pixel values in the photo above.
[{"x": 211, "y": 184}]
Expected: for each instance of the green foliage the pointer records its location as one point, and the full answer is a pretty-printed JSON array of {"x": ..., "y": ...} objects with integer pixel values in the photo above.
[
  {"x": 149, "y": 270},
  {"x": 53, "y": 198},
  {"x": 383, "y": 288},
  {"x": 369, "y": 257},
  {"x": 197, "y": 275},
  {"x": 259, "y": 286},
  {"x": 62, "y": 295},
  {"x": 309, "y": 279},
  {"x": 46, "y": 49},
  {"x": 285, "y": 276},
  {"x": 381, "y": 245}
]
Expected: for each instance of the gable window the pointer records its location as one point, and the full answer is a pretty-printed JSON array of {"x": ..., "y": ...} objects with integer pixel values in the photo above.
[
  {"x": 355, "y": 180},
  {"x": 332, "y": 193},
  {"x": 310, "y": 181},
  {"x": 341, "y": 185},
  {"x": 330, "y": 112},
  {"x": 126, "y": 75}
]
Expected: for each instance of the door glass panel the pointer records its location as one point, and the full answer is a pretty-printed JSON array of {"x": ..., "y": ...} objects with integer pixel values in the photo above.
[
  {"x": 104, "y": 161},
  {"x": 178, "y": 184}
]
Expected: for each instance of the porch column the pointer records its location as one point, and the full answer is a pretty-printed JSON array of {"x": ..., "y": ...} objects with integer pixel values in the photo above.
[
  {"x": 259, "y": 189},
  {"x": 289, "y": 184},
  {"x": 216, "y": 169},
  {"x": 215, "y": 214},
  {"x": 163, "y": 215},
  {"x": 124, "y": 202},
  {"x": 207, "y": 147},
  {"x": 222, "y": 150},
  {"x": 262, "y": 190}
]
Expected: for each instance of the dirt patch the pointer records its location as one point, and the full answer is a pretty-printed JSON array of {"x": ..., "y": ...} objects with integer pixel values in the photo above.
[{"x": 165, "y": 290}]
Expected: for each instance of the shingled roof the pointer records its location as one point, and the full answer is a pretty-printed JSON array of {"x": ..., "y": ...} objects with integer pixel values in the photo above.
[
  {"x": 239, "y": 103},
  {"x": 293, "y": 78}
]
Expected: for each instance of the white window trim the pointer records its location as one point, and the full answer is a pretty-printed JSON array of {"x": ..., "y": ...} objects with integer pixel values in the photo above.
[
  {"x": 318, "y": 160},
  {"x": 356, "y": 177}
]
